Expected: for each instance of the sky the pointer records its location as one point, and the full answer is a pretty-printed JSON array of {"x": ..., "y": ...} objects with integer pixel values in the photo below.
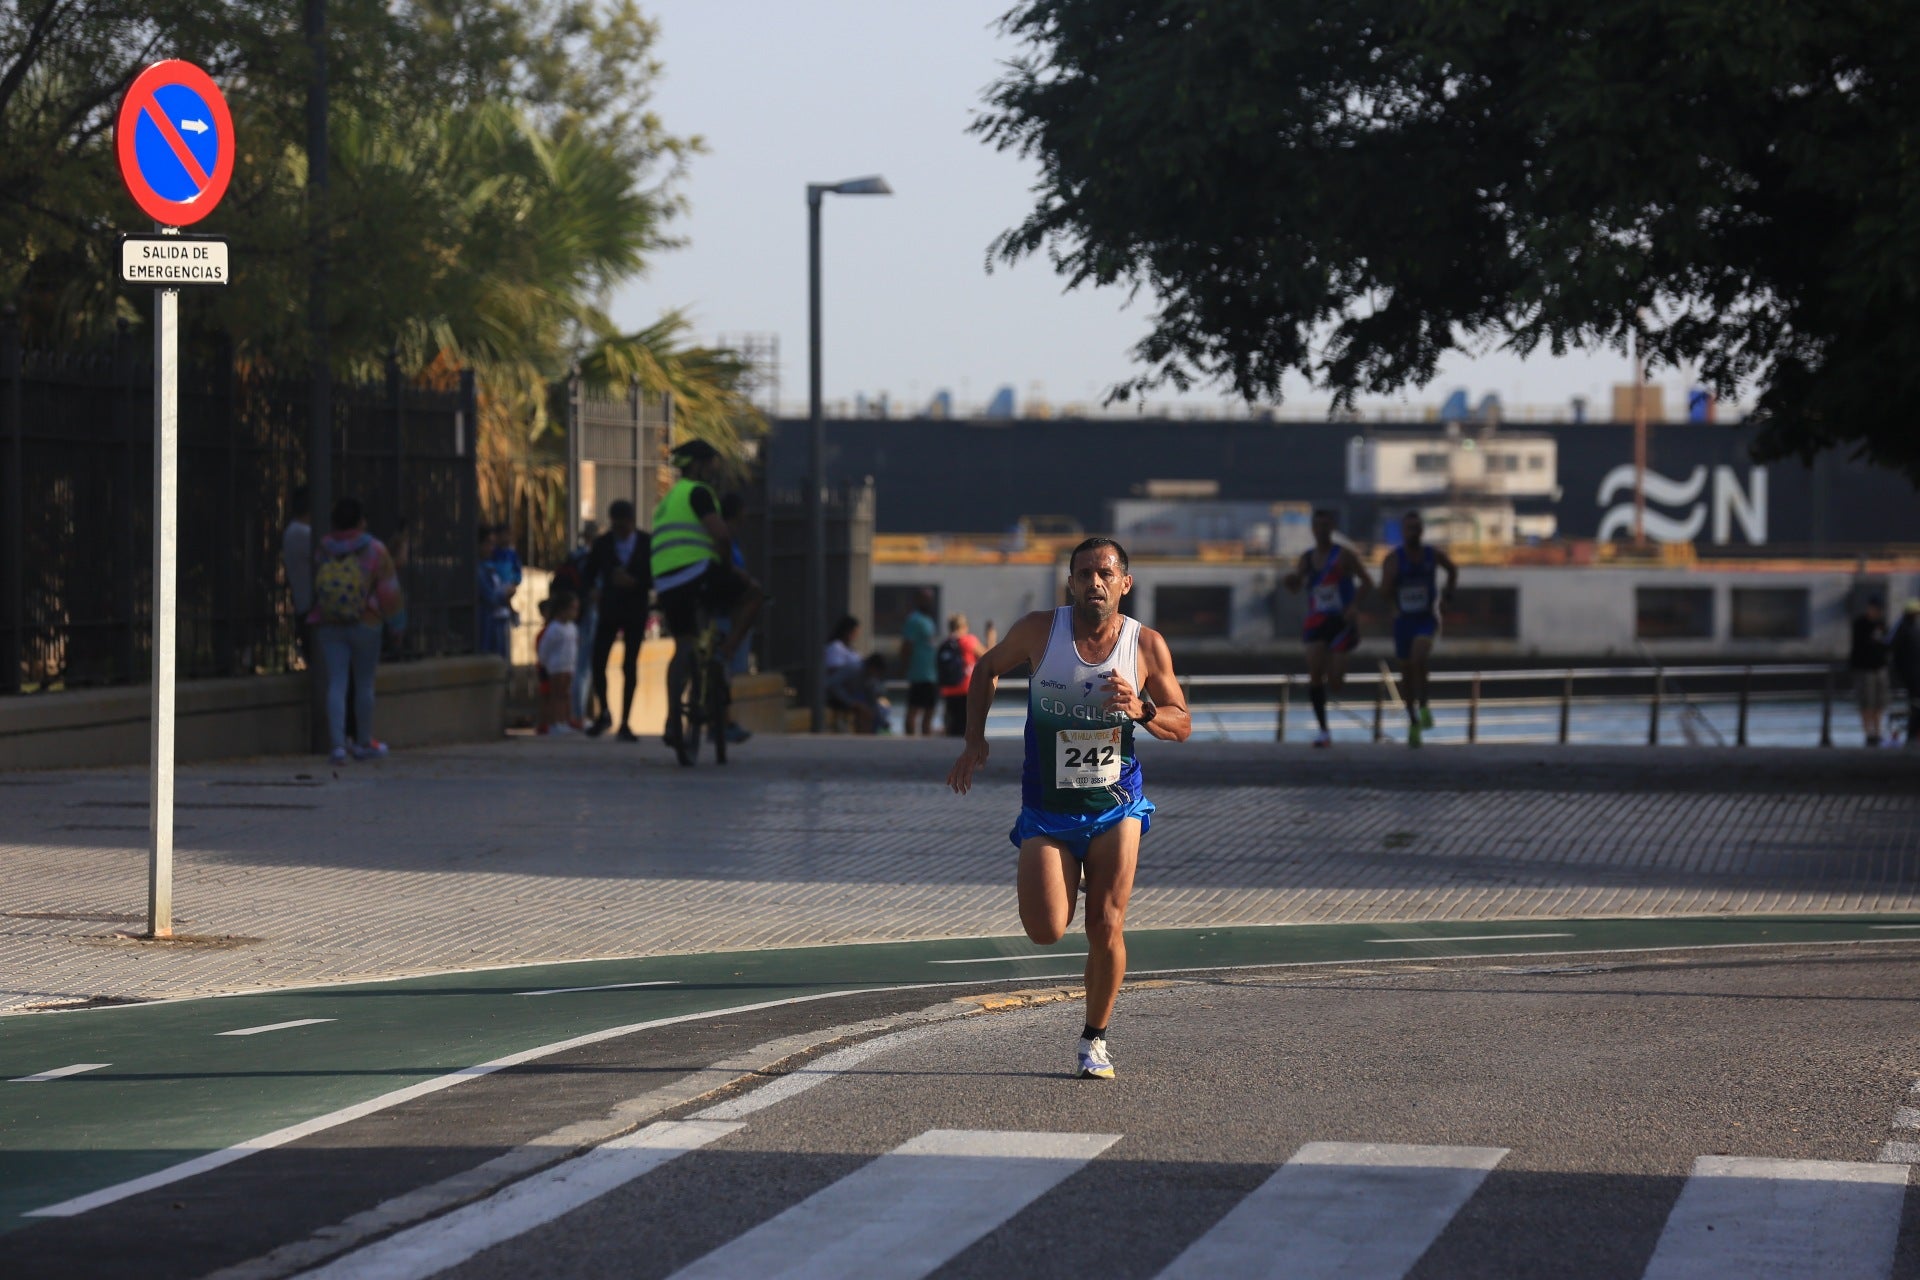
[{"x": 787, "y": 92}]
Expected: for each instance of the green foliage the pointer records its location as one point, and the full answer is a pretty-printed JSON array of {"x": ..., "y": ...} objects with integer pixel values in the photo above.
[{"x": 1350, "y": 189}]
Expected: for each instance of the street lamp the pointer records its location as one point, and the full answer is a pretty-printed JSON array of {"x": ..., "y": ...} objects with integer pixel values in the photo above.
[{"x": 817, "y": 443}]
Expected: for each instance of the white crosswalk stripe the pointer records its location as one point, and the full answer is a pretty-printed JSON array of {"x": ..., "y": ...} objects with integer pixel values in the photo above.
[
  {"x": 1774, "y": 1219},
  {"x": 1356, "y": 1210},
  {"x": 907, "y": 1212}
]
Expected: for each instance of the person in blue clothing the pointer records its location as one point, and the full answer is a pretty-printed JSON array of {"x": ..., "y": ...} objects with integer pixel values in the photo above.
[
  {"x": 1098, "y": 677},
  {"x": 1409, "y": 577},
  {"x": 1335, "y": 581}
]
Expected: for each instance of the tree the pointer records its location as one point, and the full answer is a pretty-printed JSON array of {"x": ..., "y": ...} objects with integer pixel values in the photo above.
[{"x": 1350, "y": 189}]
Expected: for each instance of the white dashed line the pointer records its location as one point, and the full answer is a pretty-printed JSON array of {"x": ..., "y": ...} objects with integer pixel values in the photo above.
[
  {"x": 60, "y": 1072},
  {"x": 1469, "y": 937},
  {"x": 1051, "y": 955},
  {"x": 276, "y": 1026},
  {"x": 611, "y": 986}
]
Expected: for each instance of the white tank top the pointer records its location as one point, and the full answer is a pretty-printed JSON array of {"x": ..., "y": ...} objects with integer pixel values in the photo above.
[{"x": 1080, "y": 755}]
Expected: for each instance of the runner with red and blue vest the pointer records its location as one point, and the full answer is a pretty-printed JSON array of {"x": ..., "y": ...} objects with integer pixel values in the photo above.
[
  {"x": 1409, "y": 578},
  {"x": 1335, "y": 581}
]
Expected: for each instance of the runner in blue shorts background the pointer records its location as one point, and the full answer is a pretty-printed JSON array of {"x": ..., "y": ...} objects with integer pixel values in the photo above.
[
  {"x": 1334, "y": 580},
  {"x": 1408, "y": 577},
  {"x": 1097, "y": 675}
]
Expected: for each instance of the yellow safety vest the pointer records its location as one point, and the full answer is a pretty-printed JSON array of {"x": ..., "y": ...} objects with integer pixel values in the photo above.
[{"x": 679, "y": 538}]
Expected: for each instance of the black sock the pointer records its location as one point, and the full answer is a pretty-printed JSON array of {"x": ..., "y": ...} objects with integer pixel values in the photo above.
[
  {"x": 1318, "y": 693},
  {"x": 1090, "y": 1033}
]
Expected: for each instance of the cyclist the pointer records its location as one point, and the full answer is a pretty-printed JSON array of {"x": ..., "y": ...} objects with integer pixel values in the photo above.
[{"x": 693, "y": 569}]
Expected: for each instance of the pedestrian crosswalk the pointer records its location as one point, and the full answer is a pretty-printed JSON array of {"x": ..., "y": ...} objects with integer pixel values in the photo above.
[{"x": 1354, "y": 1210}]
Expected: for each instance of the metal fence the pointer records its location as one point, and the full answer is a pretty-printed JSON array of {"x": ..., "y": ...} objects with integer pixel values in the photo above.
[{"x": 76, "y": 459}]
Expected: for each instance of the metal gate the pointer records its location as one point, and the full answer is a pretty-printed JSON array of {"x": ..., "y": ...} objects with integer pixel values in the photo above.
[{"x": 616, "y": 448}]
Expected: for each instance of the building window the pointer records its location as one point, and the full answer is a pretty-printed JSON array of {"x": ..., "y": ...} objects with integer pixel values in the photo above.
[
  {"x": 1673, "y": 613},
  {"x": 891, "y": 605},
  {"x": 1428, "y": 463},
  {"x": 1193, "y": 612},
  {"x": 1503, "y": 462},
  {"x": 1536, "y": 462},
  {"x": 1770, "y": 613},
  {"x": 1483, "y": 613}
]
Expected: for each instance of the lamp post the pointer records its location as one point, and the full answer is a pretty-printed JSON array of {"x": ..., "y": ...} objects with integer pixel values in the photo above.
[{"x": 817, "y": 443}]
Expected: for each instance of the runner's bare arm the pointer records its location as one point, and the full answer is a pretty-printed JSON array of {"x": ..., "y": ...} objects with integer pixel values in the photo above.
[
  {"x": 1366, "y": 579},
  {"x": 1171, "y": 720},
  {"x": 1025, "y": 644},
  {"x": 1445, "y": 561},
  {"x": 1293, "y": 581},
  {"x": 1389, "y": 574}
]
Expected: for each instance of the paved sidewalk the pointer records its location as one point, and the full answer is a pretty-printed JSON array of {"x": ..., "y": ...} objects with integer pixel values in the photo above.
[{"x": 533, "y": 850}]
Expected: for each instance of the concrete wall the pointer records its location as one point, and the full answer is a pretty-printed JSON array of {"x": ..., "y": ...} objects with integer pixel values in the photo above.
[{"x": 416, "y": 704}]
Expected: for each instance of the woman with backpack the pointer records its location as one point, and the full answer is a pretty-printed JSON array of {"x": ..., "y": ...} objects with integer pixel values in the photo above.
[
  {"x": 356, "y": 592},
  {"x": 954, "y": 662}
]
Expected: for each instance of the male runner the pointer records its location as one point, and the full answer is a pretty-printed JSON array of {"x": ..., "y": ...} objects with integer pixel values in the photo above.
[
  {"x": 693, "y": 565},
  {"x": 1407, "y": 578},
  {"x": 1329, "y": 572},
  {"x": 1096, "y": 675}
]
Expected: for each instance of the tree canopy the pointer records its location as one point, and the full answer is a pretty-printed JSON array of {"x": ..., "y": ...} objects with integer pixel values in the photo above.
[{"x": 1351, "y": 189}]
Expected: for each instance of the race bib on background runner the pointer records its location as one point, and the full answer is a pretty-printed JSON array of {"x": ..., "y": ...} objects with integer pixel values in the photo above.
[
  {"x": 1326, "y": 597},
  {"x": 1413, "y": 599},
  {"x": 1086, "y": 758}
]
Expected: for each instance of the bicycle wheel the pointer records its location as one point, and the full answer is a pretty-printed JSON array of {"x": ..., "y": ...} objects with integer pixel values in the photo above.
[{"x": 693, "y": 712}]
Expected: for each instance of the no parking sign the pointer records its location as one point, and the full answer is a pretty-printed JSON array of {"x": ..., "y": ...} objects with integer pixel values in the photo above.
[{"x": 174, "y": 136}]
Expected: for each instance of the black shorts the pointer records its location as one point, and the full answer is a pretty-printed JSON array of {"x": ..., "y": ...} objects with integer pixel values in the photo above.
[
  {"x": 716, "y": 590},
  {"x": 923, "y": 695},
  {"x": 1331, "y": 629}
]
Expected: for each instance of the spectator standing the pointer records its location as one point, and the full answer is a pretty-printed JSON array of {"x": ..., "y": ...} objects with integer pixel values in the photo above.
[
  {"x": 954, "y": 665},
  {"x": 1904, "y": 653},
  {"x": 355, "y": 594},
  {"x": 1867, "y": 660},
  {"x": 296, "y": 557},
  {"x": 917, "y": 655},
  {"x": 558, "y": 652},
  {"x": 619, "y": 575},
  {"x": 491, "y": 597},
  {"x": 572, "y": 576}
]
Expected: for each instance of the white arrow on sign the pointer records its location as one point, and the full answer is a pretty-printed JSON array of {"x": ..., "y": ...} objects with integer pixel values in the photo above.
[{"x": 194, "y": 126}]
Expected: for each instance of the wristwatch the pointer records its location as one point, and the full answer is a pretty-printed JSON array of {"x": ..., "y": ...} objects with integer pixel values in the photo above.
[{"x": 1146, "y": 717}]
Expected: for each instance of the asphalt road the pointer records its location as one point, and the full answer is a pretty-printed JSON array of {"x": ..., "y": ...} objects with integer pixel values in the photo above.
[{"x": 1693, "y": 1114}]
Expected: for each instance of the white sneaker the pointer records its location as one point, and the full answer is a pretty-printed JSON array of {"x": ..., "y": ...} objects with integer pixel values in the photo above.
[
  {"x": 1095, "y": 1064},
  {"x": 1323, "y": 739}
]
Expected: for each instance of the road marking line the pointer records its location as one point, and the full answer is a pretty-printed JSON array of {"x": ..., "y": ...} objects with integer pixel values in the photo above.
[
  {"x": 611, "y": 986},
  {"x": 59, "y": 1073},
  {"x": 306, "y": 1128},
  {"x": 1894, "y": 926},
  {"x": 276, "y": 1026},
  {"x": 1469, "y": 937},
  {"x": 1750, "y": 1217},
  {"x": 1051, "y": 955},
  {"x": 1899, "y": 1153},
  {"x": 813, "y": 1075},
  {"x": 1341, "y": 1209},
  {"x": 908, "y": 1212},
  {"x": 440, "y": 1243}
]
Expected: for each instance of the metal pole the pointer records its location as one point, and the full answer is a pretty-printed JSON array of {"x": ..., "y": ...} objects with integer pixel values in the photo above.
[
  {"x": 13, "y": 676},
  {"x": 1379, "y": 702},
  {"x": 816, "y": 481},
  {"x": 1746, "y": 692},
  {"x": 1566, "y": 708},
  {"x": 166, "y": 532},
  {"x": 1639, "y": 445},
  {"x": 319, "y": 356},
  {"x": 574, "y": 431},
  {"x": 1473, "y": 709},
  {"x": 1826, "y": 712},
  {"x": 1286, "y": 698},
  {"x": 1653, "y": 721}
]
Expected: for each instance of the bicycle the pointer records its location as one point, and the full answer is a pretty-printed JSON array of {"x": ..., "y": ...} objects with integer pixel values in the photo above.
[{"x": 708, "y": 694}]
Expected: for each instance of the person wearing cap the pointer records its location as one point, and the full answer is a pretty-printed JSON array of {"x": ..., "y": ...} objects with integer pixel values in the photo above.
[
  {"x": 1867, "y": 662},
  {"x": 693, "y": 568},
  {"x": 1904, "y": 652},
  {"x": 618, "y": 580}
]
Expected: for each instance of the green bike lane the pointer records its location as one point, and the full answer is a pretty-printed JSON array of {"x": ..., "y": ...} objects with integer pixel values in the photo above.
[{"x": 158, "y": 1092}]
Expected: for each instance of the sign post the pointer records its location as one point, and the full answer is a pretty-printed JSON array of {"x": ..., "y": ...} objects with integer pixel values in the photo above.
[{"x": 174, "y": 138}]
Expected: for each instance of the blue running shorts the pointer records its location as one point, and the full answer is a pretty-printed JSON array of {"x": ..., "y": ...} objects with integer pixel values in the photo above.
[
  {"x": 1075, "y": 831},
  {"x": 1409, "y": 627}
]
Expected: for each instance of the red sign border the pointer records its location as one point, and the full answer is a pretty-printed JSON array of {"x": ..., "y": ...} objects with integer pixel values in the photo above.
[{"x": 174, "y": 213}]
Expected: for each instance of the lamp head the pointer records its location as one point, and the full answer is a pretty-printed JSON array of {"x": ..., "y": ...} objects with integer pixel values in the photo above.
[{"x": 874, "y": 186}]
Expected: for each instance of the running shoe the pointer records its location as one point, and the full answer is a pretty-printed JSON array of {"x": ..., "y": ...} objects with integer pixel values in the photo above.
[
  {"x": 375, "y": 750},
  {"x": 1426, "y": 716},
  {"x": 1095, "y": 1064},
  {"x": 1413, "y": 733},
  {"x": 1323, "y": 739},
  {"x": 627, "y": 735},
  {"x": 337, "y": 757},
  {"x": 600, "y": 725}
]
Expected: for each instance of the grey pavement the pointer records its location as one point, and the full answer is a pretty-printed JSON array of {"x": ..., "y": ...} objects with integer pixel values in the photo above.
[{"x": 535, "y": 850}]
